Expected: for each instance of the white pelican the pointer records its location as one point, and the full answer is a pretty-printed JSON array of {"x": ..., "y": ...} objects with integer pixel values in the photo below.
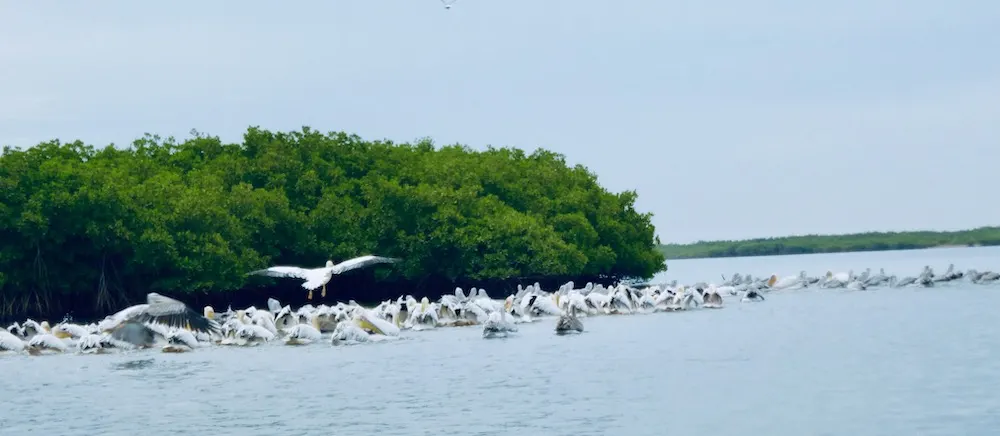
[
  {"x": 569, "y": 323},
  {"x": 302, "y": 334},
  {"x": 95, "y": 344},
  {"x": 752, "y": 295},
  {"x": 787, "y": 282},
  {"x": 66, "y": 330},
  {"x": 496, "y": 326},
  {"x": 364, "y": 327},
  {"x": 180, "y": 341},
  {"x": 45, "y": 342},
  {"x": 423, "y": 316},
  {"x": 348, "y": 333},
  {"x": 251, "y": 334},
  {"x": 318, "y": 277},
  {"x": 712, "y": 298},
  {"x": 10, "y": 342}
]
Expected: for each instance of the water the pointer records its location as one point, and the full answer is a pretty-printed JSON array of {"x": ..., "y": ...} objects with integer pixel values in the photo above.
[{"x": 827, "y": 362}]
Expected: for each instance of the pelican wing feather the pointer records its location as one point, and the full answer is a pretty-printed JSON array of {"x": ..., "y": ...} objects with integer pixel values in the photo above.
[
  {"x": 285, "y": 271},
  {"x": 361, "y": 262},
  {"x": 167, "y": 311}
]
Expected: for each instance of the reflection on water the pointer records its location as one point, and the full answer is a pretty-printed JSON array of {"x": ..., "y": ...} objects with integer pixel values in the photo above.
[{"x": 882, "y": 362}]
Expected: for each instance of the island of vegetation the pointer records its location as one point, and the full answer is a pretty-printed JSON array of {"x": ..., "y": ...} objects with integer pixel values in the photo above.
[
  {"x": 872, "y": 241},
  {"x": 88, "y": 231}
]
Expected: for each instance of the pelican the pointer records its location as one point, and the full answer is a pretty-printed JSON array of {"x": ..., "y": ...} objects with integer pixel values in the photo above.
[
  {"x": 364, "y": 327},
  {"x": 10, "y": 342},
  {"x": 285, "y": 319},
  {"x": 302, "y": 334},
  {"x": 423, "y": 316},
  {"x": 982, "y": 277},
  {"x": 180, "y": 341},
  {"x": 164, "y": 312},
  {"x": 496, "y": 326},
  {"x": 752, "y": 295},
  {"x": 788, "y": 282},
  {"x": 348, "y": 333},
  {"x": 45, "y": 342},
  {"x": 318, "y": 277},
  {"x": 95, "y": 344},
  {"x": 252, "y": 335},
  {"x": 137, "y": 334},
  {"x": 712, "y": 298},
  {"x": 569, "y": 323}
]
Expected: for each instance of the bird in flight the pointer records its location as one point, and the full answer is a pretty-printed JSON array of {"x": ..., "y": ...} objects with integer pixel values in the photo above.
[{"x": 318, "y": 277}]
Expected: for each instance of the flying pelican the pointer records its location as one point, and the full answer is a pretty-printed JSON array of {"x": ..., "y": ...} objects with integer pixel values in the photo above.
[
  {"x": 144, "y": 323},
  {"x": 172, "y": 313},
  {"x": 317, "y": 277}
]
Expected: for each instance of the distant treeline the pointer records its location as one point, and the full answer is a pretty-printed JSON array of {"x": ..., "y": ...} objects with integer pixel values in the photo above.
[
  {"x": 90, "y": 230},
  {"x": 872, "y": 241}
]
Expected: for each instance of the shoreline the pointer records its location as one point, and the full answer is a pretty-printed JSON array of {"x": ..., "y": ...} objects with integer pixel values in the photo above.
[{"x": 818, "y": 244}]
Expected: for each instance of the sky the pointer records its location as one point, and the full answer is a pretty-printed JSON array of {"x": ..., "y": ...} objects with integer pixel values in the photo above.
[{"x": 731, "y": 119}]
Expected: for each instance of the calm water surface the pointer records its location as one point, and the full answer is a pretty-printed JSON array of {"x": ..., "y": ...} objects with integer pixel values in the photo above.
[{"x": 812, "y": 362}]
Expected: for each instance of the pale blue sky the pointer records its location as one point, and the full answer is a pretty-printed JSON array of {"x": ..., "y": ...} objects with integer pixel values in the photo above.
[{"x": 731, "y": 119}]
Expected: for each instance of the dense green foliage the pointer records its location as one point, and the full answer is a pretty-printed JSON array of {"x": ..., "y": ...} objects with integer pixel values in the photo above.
[
  {"x": 873, "y": 241},
  {"x": 111, "y": 224}
]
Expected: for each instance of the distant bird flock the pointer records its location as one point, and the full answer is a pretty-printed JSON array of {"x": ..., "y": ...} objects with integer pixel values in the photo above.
[{"x": 169, "y": 325}]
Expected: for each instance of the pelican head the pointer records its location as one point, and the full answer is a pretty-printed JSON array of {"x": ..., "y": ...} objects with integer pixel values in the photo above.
[
  {"x": 329, "y": 264},
  {"x": 209, "y": 312},
  {"x": 60, "y": 332},
  {"x": 508, "y": 303},
  {"x": 45, "y": 327},
  {"x": 424, "y": 302}
]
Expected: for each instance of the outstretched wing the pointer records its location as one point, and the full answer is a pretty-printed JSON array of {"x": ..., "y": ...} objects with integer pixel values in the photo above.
[
  {"x": 167, "y": 311},
  {"x": 361, "y": 262},
  {"x": 283, "y": 271}
]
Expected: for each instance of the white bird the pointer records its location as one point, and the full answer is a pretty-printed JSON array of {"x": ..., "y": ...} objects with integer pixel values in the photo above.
[
  {"x": 45, "y": 342},
  {"x": 9, "y": 342},
  {"x": 302, "y": 334},
  {"x": 95, "y": 344},
  {"x": 317, "y": 277},
  {"x": 496, "y": 326},
  {"x": 180, "y": 341}
]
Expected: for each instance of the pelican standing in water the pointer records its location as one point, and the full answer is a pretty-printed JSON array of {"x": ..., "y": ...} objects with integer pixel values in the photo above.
[
  {"x": 318, "y": 277},
  {"x": 569, "y": 323}
]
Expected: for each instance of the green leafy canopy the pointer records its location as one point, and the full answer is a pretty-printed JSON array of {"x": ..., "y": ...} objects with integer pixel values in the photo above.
[{"x": 197, "y": 215}]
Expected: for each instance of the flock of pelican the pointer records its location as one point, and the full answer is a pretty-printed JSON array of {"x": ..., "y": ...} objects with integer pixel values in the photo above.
[
  {"x": 927, "y": 278},
  {"x": 172, "y": 326}
]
